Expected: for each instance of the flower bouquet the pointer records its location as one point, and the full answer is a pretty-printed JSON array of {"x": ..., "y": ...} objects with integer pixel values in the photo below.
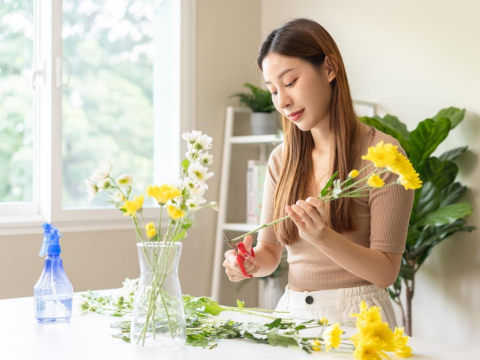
[
  {"x": 158, "y": 318},
  {"x": 385, "y": 158}
]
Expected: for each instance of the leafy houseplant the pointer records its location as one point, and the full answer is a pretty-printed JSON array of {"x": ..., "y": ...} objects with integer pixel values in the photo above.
[
  {"x": 437, "y": 212},
  {"x": 264, "y": 118}
]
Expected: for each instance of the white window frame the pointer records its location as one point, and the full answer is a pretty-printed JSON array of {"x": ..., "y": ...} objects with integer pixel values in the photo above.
[{"x": 27, "y": 217}]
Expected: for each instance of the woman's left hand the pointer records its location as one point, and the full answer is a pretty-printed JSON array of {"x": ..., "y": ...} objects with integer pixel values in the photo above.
[{"x": 309, "y": 216}]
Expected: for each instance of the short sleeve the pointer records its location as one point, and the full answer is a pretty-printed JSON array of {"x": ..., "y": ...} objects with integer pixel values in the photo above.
[
  {"x": 390, "y": 210},
  {"x": 271, "y": 177}
]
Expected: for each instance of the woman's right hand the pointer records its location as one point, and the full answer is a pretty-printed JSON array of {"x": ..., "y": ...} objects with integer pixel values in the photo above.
[{"x": 232, "y": 269}]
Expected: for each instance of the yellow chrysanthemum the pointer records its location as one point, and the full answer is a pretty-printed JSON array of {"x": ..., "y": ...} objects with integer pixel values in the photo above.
[
  {"x": 353, "y": 174},
  {"x": 400, "y": 343},
  {"x": 323, "y": 321},
  {"x": 368, "y": 351},
  {"x": 410, "y": 181},
  {"x": 375, "y": 181},
  {"x": 381, "y": 155},
  {"x": 151, "y": 230},
  {"x": 174, "y": 212},
  {"x": 407, "y": 176},
  {"x": 379, "y": 333},
  {"x": 133, "y": 206},
  {"x": 332, "y": 336},
  {"x": 316, "y": 345},
  {"x": 367, "y": 315},
  {"x": 163, "y": 193}
]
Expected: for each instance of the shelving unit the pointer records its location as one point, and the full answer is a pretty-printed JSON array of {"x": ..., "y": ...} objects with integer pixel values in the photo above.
[{"x": 222, "y": 224}]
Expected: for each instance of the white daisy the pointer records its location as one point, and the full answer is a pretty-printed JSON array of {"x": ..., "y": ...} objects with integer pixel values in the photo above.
[
  {"x": 199, "y": 173},
  {"x": 203, "y": 142},
  {"x": 124, "y": 180},
  {"x": 337, "y": 190},
  {"x": 194, "y": 202},
  {"x": 92, "y": 189},
  {"x": 102, "y": 172},
  {"x": 117, "y": 197},
  {"x": 214, "y": 205},
  {"x": 192, "y": 137},
  {"x": 104, "y": 184},
  {"x": 206, "y": 159}
]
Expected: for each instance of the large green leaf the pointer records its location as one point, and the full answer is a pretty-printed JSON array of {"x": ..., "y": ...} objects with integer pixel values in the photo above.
[
  {"x": 447, "y": 214},
  {"x": 455, "y": 115},
  {"x": 425, "y": 139},
  {"x": 453, "y": 154},
  {"x": 440, "y": 173},
  {"x": 428, "y": 201},
  {"x": 387, "y": 128},
  {"x": 434, "y": 235},
  {"x": 395, "y": 124},
  {"x": 451, "y": 194}
]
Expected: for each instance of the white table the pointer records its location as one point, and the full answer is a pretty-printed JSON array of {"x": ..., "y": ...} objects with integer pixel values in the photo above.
[{"x": 88, "y": 336}]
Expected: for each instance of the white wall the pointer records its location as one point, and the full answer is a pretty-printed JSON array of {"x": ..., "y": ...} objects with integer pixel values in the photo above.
[{"x": 413, "y": 58}]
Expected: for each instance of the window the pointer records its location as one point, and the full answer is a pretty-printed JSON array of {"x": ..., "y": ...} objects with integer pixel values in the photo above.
[
  {"x": 113, "y": 80},
  {"x": 16, "y": 101}
]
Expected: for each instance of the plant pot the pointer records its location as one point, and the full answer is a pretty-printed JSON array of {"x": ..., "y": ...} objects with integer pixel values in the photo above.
[
  {"x": 158, "y": 316},
  {"x": 271, "y": 292},
  {"x": 264, "y": 123}
]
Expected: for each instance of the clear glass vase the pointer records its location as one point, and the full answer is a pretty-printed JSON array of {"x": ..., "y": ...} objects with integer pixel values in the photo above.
[{"x": 158, "y": 315}]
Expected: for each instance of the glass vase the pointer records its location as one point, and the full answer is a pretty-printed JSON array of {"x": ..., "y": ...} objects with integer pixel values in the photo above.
[{"x": 158, "y": 315}]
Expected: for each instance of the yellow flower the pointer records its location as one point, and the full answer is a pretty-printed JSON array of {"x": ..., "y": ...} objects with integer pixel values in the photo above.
[
  {"x": 407, "y": 176},
  {"x": 332, "y": 336},
  {"x": 368, "y": 351},
  {"x": 323, "y": 321},
  {"x": 353, "y": 174},
  {"x": 375, "y": 181},
  {"x": 151, "y": 231},
  {"x": 174, "y": 212},
  {"x": 316, "y": 345},
  {"x": 400, "y": 344},
  {"x": 163, "y": 193},
  {"x": 367, "y": 315},
  {"x": 132, "y": 207},
  {"x": 381, "y": 155},
  {"x": 410, "y": 181}
]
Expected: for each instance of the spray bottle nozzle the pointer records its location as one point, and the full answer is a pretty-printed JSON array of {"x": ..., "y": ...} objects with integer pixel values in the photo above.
[{"x": 51, "y": 237}]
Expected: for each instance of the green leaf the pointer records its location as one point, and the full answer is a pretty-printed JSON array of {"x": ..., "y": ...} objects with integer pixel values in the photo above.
[
  {"x": 274, "y": 324},
  {"x": 451, "y": 194},
  {"x": 428, "y": 201},
  {"x": 455, "y": 115},
  {"x": 185, "y": 164},
  {"x": 390, "y": 126},
  {"x": 440, "y": 173},
  {"x": 447, "y": 214},
  {"x": 328, "y": 184},
  {"x": 425, "y": 139},
  {"x": 182, "y": 233},
  {"x": 240, "y": 304},
  {"x": 453, "y": 154},
  {"x": 407, "y": 272}
]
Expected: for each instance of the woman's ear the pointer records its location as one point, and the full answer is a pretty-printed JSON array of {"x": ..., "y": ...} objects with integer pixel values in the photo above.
[{"x": 330, "y": 70}]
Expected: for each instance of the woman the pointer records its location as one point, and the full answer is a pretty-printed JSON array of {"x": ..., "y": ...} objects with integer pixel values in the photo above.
[{"x": 347, "y": 250}]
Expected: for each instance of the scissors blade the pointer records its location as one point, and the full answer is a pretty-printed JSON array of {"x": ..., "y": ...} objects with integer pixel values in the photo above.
[{"x": 227, "y": 240}]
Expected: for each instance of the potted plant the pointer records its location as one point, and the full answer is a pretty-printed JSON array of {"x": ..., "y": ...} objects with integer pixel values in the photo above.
[
  {"x": 264, "y": 117},
  {"x": 437, "y": 212}
]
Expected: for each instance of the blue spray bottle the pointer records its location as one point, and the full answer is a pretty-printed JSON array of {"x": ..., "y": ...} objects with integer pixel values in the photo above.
[{"x": 53, "y": 292}]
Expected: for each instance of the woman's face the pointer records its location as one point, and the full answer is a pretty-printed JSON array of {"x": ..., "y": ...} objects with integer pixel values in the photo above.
[{"x": 300, "y": 91}]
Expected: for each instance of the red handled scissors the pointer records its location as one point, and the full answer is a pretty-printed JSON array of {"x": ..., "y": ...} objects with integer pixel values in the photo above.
[{"x": 242, "y": 254}]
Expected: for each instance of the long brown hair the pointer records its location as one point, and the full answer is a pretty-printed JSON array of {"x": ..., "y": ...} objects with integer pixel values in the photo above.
[{"x": 308, "y": 40}]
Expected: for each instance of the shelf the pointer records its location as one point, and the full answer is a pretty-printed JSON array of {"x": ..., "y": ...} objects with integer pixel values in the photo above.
[
  {"x": 255, "y": 139},
  {"x": 240, "y": 227}
]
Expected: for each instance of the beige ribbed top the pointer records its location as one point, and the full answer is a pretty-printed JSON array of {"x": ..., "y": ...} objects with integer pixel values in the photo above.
[{"x": 381, "y": 218}]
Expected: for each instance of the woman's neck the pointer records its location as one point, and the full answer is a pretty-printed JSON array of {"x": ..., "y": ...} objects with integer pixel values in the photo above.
[{"x": 321, "y": 137}]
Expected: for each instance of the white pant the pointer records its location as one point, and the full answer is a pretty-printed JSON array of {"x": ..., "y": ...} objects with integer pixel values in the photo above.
[{"x": 336, "y": 304}]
